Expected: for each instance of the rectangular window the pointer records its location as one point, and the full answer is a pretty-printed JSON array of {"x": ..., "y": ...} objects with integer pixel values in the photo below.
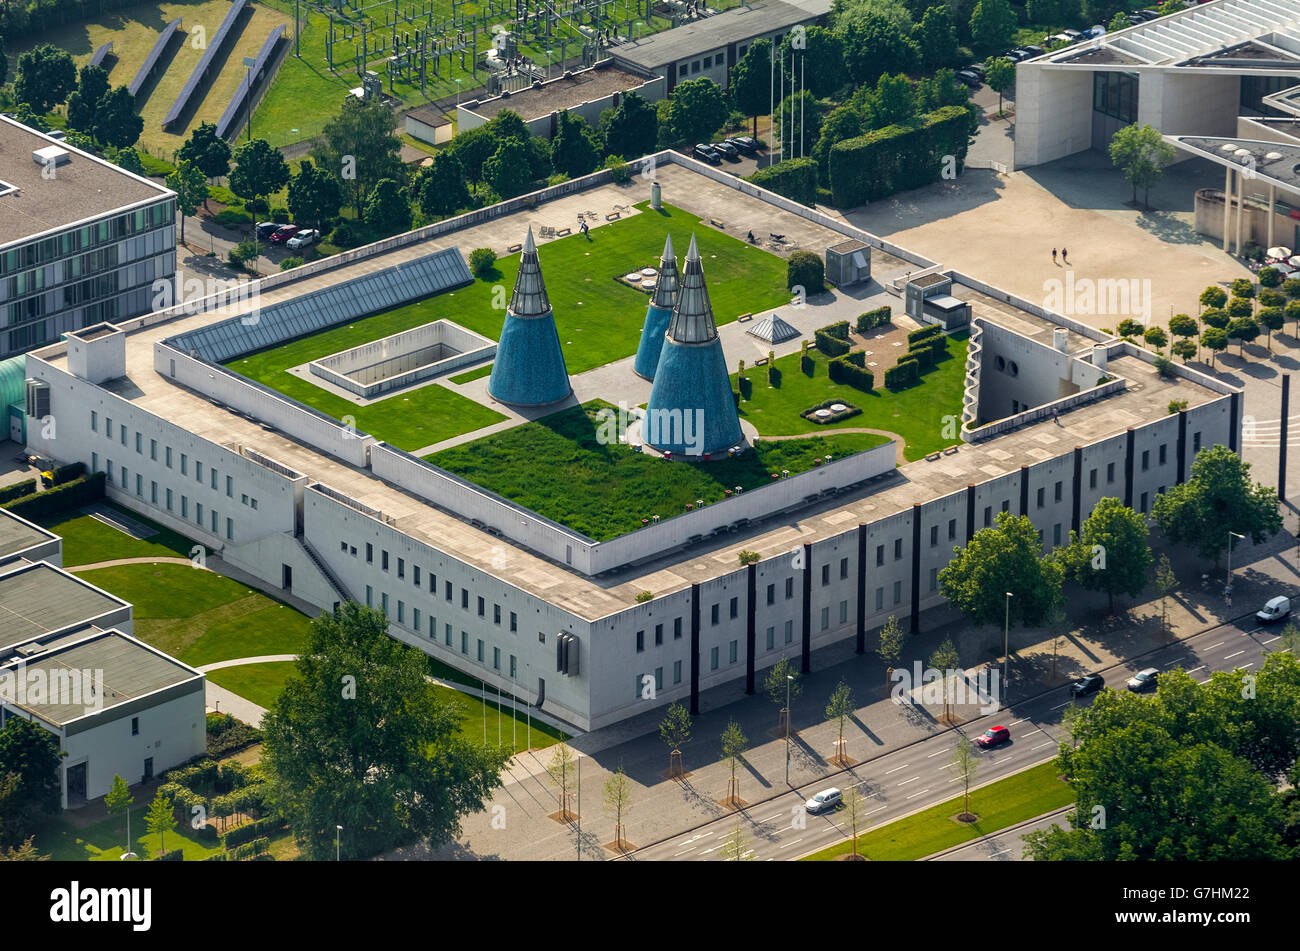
[
  {"x": 94, "y": 421},
  {"x": 94, "y": 462},
  {"x": 789, "y": 588},
  {"x": 1163, "y": 453},
  {"x": 122, "y": 434},
  {"x": 383, "y": 602},
  {"x": 169, "y": 500},
  {"x": 677, "y": 671},
  {"x": 446, "y": 634},
  {"x": 732, "y": 653},
  {"x": 952, "y": 528},
  {"x": 880, "y": 554},
  {"x": 713, "y": 614},
  {"x": 1142, "y": 506},
  {"x": 844, "y": 567},
  {"x": 167, "y": 459},
  {"x": 898, "y": 548},
  {"x": 401, "y": 611},
  {"x": 514, "y": 622},
  {"x": 230, "y": 487},
  {"x": 401, "y": 569},
  {"x": 713, "y": 658},
  {"x": 1056, "y": 534},
  {"x": 771, "y": 638},
  {"x": 482, "y": 607},
  {"x": 844, "y": 611},
  {"x": 139, "y": 484},
  {"x": 771, "y": 594},
  {"x": 898, "y": 591},
  {"x": 153, "y": 449},
  {"x": 153, "y": 493},
  {"x": 826, "y": 575},
  {"x": 988, "y": 515},
  {"x": 1056, "y": 492},
  {"x": 139, "y": 444},
  {"x": 185, "y": 464},
  {"x": 415, "y": 619},
  {"x": 677, "y": 628},
  {"x": 464, "y": 642},
  {"x": 108, "y": 427},
  {"x": 479, "y": 653},
  {"x": 1006, "y": 505},
  {"x": 135, "y": 726},
  {"x": 735, "y": 607},
  {"x": 880, "y": 599},
  {"x": 659, "y": 635},
  {"x": 198, "y": 471},
  {"x": 934, "y": 579},
  {"x": 464, "y": 599},
  {"x": 370, "y": 553},
  {"x": 826, "y": 618},
  {"x": 1146, "y": 459},
  {"x": 496, "y": 658},
  {"x": 1110, "y": 472},
  {"x": 789, "y": 631},
  {"x": 383, "y": 560},
  {"x": 214, "y": 479},
  {"x": 1092, "y": 478},
  {"x": 496, "y": 614},
  {"x": 109, "y": 473},
  {"x": 198, "y": 512},
  {"x": 230, "y": 529},
  {"x": 640, "y": 641},
  {"x": 370, "y": 596},
  {"x": 934, "y": 535},
  {"x": 415, "y": 575},
  {"x": 514, "y": 666},
  {"x": 1040, "y": 494},
  {"x": 1196, "y": 443}
]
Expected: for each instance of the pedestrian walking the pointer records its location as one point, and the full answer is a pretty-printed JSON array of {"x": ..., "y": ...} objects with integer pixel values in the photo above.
[
  {"x": 1065, "y": 255},
  {"x": 1053, "y": 255}
]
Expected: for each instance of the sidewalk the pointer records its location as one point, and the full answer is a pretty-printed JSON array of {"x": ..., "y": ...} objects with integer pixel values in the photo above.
[{"x": 661, "y": 808}]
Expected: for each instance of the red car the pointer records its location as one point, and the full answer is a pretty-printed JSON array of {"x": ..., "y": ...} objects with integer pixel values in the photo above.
[
  {"x": 284, "y": 234},
  {"x": 993, "y": 736}
]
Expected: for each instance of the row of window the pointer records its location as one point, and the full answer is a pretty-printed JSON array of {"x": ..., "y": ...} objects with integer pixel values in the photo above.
[
  {"x": 432, "y": 632},
  {"x": 122, "y": 476},
  {"x": 87, "y": 236}
]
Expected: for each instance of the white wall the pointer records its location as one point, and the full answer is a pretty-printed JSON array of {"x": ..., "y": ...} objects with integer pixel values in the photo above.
[{"x": 1053, "y": 113}]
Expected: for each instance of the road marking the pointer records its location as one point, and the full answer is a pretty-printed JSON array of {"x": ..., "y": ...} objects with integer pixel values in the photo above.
[
  {"x": 1230, "y": 656},
  {"x": 936, "y": 753},
  {"x": 897, "y": 768},
  {"x": 788, "y": 844},
  {"x": 1003, "y": 852},
  {"x": 1031, "y": 733},
  {"x": 707, "y": 851},
  {"x": 946, "y": 766},
  {"x": 1014, "y": 722},
  {"x": 1244, "y": 666},
  {"x": 779, "y": 815},
  {"x": 912, "y": 780},
  {"x": 921, "y": 793},
  {"x": 1213, "y": 646},
  {"x": 874, "y": 811},
  {"x": 1173, "y": 663},
  {"x": 1066, "y": 704},
  {"x": 1195, "y": 669},
  {"x": 1272, "y": 639},
  {"x": 1204, "y": 682},
  {"x": 684, "y": 851}
]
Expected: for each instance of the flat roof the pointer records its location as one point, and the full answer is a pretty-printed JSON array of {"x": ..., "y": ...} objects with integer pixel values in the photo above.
[
  {"x": 720, "y": 29},
  {"x": 429, "y": 115},
  {"x": 565, "y": 92},
  {"x": 36, "y": 598},
  {"x": 18, "y": 535},
  {"x": 83, "y": 187},
  {"x": 596, "y": 597},
  {"x": 120, "y": 667},
  {"x": 1275, "y": 162}
]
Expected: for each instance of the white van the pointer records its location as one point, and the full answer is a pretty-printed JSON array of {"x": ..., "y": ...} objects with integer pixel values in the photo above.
[{"x": 1275, "y": 610}]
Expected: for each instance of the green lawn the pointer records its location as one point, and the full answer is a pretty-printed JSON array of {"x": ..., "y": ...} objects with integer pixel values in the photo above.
[
  {"x": 605, "y": 489},
  {"x": 918, "y": 414},
  {"x": 87, "y": 540},
  {"x": 1027, "y": 794},
  {"x": 200, "y": 617},
  {"x": 65, "y": 842},
  {"x": 474, "y": 374},
  {"x": 257, "y": 683},
  {"x": 599, "y": 319}
]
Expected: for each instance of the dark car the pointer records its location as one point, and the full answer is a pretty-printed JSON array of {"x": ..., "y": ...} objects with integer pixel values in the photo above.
[
  {"x": 284, "y": 234},
  {"x": 1033, "y": 50},
  {"x": 745, "y": 144},
  {"x": 728, "y": 150},
  {"x": 1086, "y": 685},
  {"x": 1073, "y": 34},
  {"x": 976, "y": 68},
  {"x": 1016, "y": 56},
  {"x": 1144, "y": 680},
  {"x": 707, "y": 153},
  {"x": 993, "y": 736},
  {"x": 968, "y": 78},
  {"x": 1142, "y": 16},
  {"x": 267, "y": 228}
]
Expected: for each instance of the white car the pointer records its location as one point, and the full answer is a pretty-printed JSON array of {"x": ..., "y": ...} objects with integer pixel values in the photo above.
[
  {"x": 824, "y": 800},
  {"x": 305, "y": 237}
]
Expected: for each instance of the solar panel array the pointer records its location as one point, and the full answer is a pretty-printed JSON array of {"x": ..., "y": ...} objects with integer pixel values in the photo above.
[
  {"x": 242, "y": 95},
  {"x": 313, "y": 312},
  {"x": 97, "y": 59},
  {"x": 215, "y": 43},
  {"x": 150, "y": 61}
]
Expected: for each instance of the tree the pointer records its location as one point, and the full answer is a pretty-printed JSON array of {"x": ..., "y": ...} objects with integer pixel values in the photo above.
[
  {"x": 1269, "y": 277},
  {"x": 1119, "y": 21},
  {"x": 618, "y": 801},
  {"x": 482, "y": 262},
  {"x": 937, "y": 38},
  {"x": 1181, "y": 325},
  {"x": 894, "y": 102},
  {"x": 92, "y": 84},
  {"x": 508, "y": 171},
  {"x": 129, "y": 159},
  {"x": 314, "y": 195},
  {"x": 259, "y": 170},
  {"x": 26, "y": 852},
  {"x": 633, "y": 128},
  {"x": 1240, "y": 307},
  {"x": 160, "y": 819},
  {"x": 1005, "y": 557},
  {"x": 46, "y": 75},
  {"x": 805, "y": 269},
  {"x": 573, "y": 150},
  {"x": 4, "y": 61},
  {"x": 1243, "y": 330},
  {"x": 191, "y": 189},
  {"x": 1111, "y": 553},
  {"x": 1214, "y": 317},
  {"x": 360, "y": 146},
  {"x": 440, "y": 188},
  {"x": 941, "y": 89},
  {"x": 472, "y": 149},
  {"x": 819, "y": 61},
  {"x": 1128, "y": 327},
  {"x": 1243, "y": 287},
  {"x": 698, "y": 110},
  {"x": 843, "y": 122},
  {"x": 855, "y": 811},
  {"x": 992, "y": 24},
  {"x": 561, "y": 771},
  {"x": 1141, "y": 154},
  {"x": 1000, "y": 74},
  {"x": 675, "y": 732},
  {"x": 735, "y": 846},
  {"x": 1214, "y": 339},
  {"x": 1043, "y": 11},
  {"x": 891, "y": 644},
  {"x": 1214, "y": 296},
  {"x": 782, "y": 681},
  {"x": 946, "y": 659},
  {"x": 116, "y": 122},
  {"x": 1156, "y": 336},
  {"x": 964, "y": 767},
  {"x": 734, "y": 746},
  {"x": 387, "y": 209},
  {"x": 1273, "y": 318},
  {"x": 838, "y": 709},
  {"x": 1219, "y": 497},
  {"x": 30, "y": 788},
  {"x": 207, "y": 150},
  {"x": 360, "y": 736},
  {"x": 1166, "y": 583},
  {"x": 1186, "y": 349},
  {"x": 875, "y": 44},
  {"x": 118, "y": 802},
  {"x": 749, "y": 86}
]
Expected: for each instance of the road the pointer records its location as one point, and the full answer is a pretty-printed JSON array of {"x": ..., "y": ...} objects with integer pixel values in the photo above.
[
  {"x": 1005, "y": 846},
  {"x": 916, "y": 777}
]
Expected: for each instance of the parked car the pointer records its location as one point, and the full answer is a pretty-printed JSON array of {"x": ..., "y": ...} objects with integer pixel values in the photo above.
[
  {"x": 1095, "y": 30},
  {"x": 284, "y": 234},
  {"x": 1086, "y": 685},
  {"x": 993, "y": 736},
  {"x": 1142, "y": 16},
  {"x": 1016, "y": 55},
  {"x": 707, "y": 153},
  {"x": 745, "y": 144},
  {"x": 966, "y": 77},
  {"x": 304, "y": 238},
  {"x": 1144, "y": 680},
  {"x": 1072, "y": 34},
  {"x": 824, "y": 800},
  {"x": 728, "y": 150},
  {"x": 976, "y": 68},
  {"x": 1058, "y": 40},
  {"x": 1276, "y": 610},
  {"x": 267, "y": 228},
  {"x": 1033, "y": 50}
]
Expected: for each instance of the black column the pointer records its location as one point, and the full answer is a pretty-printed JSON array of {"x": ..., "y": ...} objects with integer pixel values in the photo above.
[
  {"x": 1182, "y": 447},
  {"x": 1130, "y": 438},
  {"x": 916, "y": 567},
  {"x": 1281, "y": 452},
  {"x": 751, "y": 573},
  {"x": 1024, "y": 490},
  {"x": 1075, "y": 513},
  {"x": 970, "y": 512},
  {"x": 695, "y": 650},
  {"x": 862, "y": 588},
  {"x": 806, "y": 666},
  {"x": 1234, "y": 422}
]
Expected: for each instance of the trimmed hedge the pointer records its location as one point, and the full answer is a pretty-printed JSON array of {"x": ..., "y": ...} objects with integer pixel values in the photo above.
[
  {"x": 174, "y": 855},
  {"x": 68, "y": 473},
  {"x": 829, "y": 344},
  {"x": 250, "y": 849},
  {"x": 851, "y": 370},
  {"x": 795, "y": 179},
  {"x": 906, "y": 373},
  {"x": 773, "y": 375},
  {"x": 806, "y": 364},
  {"x": 925, "y": 333},
  {"x": 258, "y": 828},
  {"x": 59, "y": 499},
  {"x": 17, "y": 491},
  {"x": 746, "y": 387},
  {"x": 873, "y": 318},
  {"x": 897, "y": 158},
  {"x": 805, "y": 269}
]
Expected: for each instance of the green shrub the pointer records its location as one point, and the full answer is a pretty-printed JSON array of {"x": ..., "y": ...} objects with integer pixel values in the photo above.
[
  {"x": 249, "y": 831},
  {"x": 851, "y": 370},
  {"x": 773, "y": 375},
  {"x": 288, "y": 264},
  {"x": 482, "y": 261},
  {"x": 174, "y": 855},
  {"x": 898, "y": 158},
  {"x": 221, "y": 195},
  {"x": 232, "y": 217},
  {"x": 830, "y": 344},
  {"x": 795, "y": 179},
  {"x": 746, "y": 387},
  {"x": 925, "y": 333},
  {"x": 906, "y": 373},
  {"x": 73, "y": 470},
  {"x": 873, "y": 318},
  {"x": 810, "y": 413},
  {"x": 252, "y": 848},
  {"x": 1272, "y": 298},
  {"x": 619, "y": 170},
  {"x": 805, "y": 269},
  {"x": 806, "y": 365},
  {"x": 17, "y": 491},
  {"x": 1164, "y": 366},
  {"x": 256, "y": 206},
  {"x": 345, "y": 235},
  {"x": 59, "y": 499},
  {"x": 1176, "y": 405}
]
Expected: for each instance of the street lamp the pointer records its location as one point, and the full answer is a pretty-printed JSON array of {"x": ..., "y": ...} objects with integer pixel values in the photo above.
[
  {"x": 788, "y": 681},
  {"x": 1227, "y": 590},
  {"x": 337, "y": 830},
  {"x": 1006, "y": 647}
]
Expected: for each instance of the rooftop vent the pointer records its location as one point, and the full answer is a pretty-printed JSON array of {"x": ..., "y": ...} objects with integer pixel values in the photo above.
[
  {"x": 30, "y": 649},
  {"x": 1273, "y": 156},
  {"x": 1227, "y": 147},
  {"x": 51, "y": 155}
]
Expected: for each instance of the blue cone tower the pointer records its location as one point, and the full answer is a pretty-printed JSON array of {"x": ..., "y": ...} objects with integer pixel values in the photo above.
[
  {"x": 659, "y": 314},
  {"x": 692, "y": 411},
  {"x": 529, "y": 369}
]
